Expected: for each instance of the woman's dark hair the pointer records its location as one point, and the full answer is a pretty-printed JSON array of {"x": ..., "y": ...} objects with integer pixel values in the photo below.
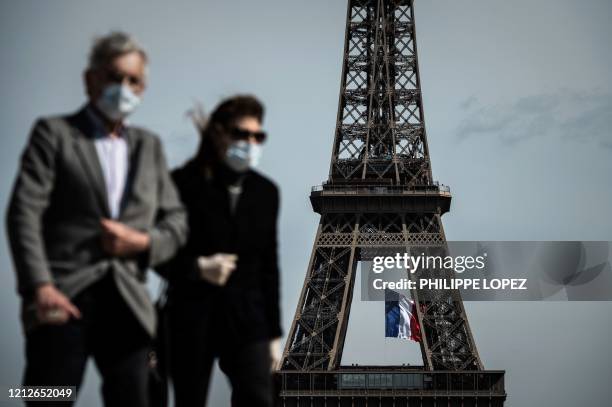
[{"x": 215, "y": 129}]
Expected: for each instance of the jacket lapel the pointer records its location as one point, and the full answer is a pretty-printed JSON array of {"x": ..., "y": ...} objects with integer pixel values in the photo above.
[
  {"x": 86, "y": 151},
  {"x": 245, "y": 200},
  {"x": 134, "y": 154}
]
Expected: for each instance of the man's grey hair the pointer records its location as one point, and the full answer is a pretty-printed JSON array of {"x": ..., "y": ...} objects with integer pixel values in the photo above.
[{"x": 110, "y": 46}]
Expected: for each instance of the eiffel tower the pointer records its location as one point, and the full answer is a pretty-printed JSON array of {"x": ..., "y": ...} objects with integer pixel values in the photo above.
[{"x": 380, "y": 197}]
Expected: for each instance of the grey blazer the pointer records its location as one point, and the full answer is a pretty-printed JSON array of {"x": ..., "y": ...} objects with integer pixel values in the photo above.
[{"x": 59, "y": 197}]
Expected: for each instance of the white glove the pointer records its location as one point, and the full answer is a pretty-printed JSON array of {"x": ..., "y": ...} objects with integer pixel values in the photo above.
[
  {"x": 275, "y": 354},
  {"x": 218, "y": 268}
]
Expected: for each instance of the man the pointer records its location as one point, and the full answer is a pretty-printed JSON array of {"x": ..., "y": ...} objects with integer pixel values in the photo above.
[{"x": 92, "y": 208}]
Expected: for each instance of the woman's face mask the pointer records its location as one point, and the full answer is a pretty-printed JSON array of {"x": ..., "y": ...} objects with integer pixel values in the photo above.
[{"x": 242, "y": 155}]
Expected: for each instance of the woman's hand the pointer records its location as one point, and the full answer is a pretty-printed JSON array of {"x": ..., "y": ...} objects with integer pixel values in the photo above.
[
  {"x": 218, "y": 268},
  {"x": 275, "y": 354}
]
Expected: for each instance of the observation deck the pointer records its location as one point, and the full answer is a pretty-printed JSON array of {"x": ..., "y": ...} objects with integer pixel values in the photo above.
[{"x": 351, "y": 198}]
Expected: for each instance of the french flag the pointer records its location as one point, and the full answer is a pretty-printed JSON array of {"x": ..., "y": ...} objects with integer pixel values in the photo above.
[{"x": 400, "y": 317}]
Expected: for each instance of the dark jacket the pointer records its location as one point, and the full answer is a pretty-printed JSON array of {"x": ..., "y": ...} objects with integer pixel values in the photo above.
[
  {"x": 246, "y": 309},
  {"x": 59, "y": 198}
]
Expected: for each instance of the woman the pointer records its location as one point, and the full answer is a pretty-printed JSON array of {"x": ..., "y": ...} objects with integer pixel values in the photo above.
[{"x": 223, "y": 297}]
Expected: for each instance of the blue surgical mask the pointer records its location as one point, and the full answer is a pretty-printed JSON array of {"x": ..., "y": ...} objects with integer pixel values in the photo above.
[
  {"x": 242, "y": 155},
  {"x": 117, "y": 101}
]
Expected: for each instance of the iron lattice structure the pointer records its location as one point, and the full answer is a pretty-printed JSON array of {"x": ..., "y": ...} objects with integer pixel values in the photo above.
[{"x": 380, "y": 197}]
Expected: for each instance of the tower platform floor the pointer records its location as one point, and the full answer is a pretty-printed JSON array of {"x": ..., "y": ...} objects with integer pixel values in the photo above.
[{"x": 390, "y": 386}]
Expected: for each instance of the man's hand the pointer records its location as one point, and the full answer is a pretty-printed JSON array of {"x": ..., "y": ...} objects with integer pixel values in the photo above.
[
  {"x": 53, "y": 307},
  {"x": 275, "y": 354},
  {"x": 121, "y": 240},
  {"x": 218, "y": 268}
]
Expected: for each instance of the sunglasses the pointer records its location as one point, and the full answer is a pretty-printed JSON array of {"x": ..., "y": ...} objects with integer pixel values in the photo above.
[{"x": 241, "y": 134}]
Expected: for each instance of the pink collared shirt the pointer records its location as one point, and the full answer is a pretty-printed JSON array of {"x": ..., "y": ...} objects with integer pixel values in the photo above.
[{"x": 113, "y": 156}]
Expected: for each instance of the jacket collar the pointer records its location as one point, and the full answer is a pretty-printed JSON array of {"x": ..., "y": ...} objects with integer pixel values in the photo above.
[{"x": 85, "y": 130}]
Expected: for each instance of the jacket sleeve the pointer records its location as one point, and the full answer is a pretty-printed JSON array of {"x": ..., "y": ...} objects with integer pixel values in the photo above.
[
  {"x": 29, "y": 200},
  {"x": 271, "y": 275},
  {"x": 170, "y": 230}
]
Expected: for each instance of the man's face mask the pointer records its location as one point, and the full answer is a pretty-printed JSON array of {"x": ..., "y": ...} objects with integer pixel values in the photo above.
[
  {"x": 117, "y": 101},
  {"x": 242, "y": 155}
]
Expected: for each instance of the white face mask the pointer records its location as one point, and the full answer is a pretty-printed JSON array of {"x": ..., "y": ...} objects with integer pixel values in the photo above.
[
  {"x": 117, "y": 101},
  {"x": 242, "y": 155}
]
